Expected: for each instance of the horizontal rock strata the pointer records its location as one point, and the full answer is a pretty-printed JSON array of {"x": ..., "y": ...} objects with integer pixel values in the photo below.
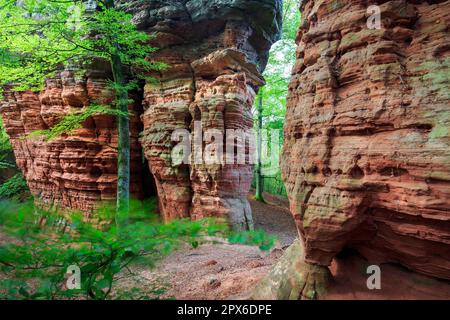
[
  {"x": 76, "y": 171},
  {"x": 366, "y": 159},
  {"x": 216, "y": 51}
]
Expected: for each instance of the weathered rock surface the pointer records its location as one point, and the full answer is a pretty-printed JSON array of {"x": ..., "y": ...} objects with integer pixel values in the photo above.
[
  {"x": 75, "y": 171},
  {"x": 291, "y": 278},
  {"x": 366, "y": 156},
  {"x": 216, "y": 51}
]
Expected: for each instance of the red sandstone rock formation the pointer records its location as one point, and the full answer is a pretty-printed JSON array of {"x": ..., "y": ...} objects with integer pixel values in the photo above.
[
  {"x": 366, "y": 156},
  {"x": 75, "y": 171},
  {"x": 215, "y": 51}
]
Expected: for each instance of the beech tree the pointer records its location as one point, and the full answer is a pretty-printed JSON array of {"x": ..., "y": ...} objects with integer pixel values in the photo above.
[
  {"x": 270, "y": 105},
  {"x": 39, "y": 38},
  {"x": 259, "y": 127}
]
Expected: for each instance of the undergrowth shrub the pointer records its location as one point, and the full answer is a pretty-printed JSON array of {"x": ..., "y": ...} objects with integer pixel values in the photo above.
[
  {"x": 35, "y": 259},
  {"x": 13, "y": 187},
  {"x": 5, "y": 145},
  {"x": 16, "y": 185}
]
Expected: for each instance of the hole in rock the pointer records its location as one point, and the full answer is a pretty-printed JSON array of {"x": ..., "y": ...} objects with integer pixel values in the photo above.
[
  {"x": 326, "y": 172},
  {"x": 356, "y": 173},
  {"x": 422, "y": 126},
  {"x": 148, "y": 181},
  {"x": 313, "y": 170},
  {"x": 347, "y": 252},
  {"x": 298, "y": 135},
  {"x": 96, "y": 172}
]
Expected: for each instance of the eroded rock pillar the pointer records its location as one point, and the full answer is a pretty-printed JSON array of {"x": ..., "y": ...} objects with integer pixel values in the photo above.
[
  {"x": 366, "y": 158},
  {"x": 215, "y": 53}
]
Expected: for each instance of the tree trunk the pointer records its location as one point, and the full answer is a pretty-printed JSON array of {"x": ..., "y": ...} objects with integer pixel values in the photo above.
[
  {"x": 123, "y": 127},
  {"x": 123, "y": 159},
  {"x": 259, "y": 178}
]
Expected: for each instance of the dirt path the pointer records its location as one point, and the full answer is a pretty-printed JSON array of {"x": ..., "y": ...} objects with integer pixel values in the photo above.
[
  {"x": 232, "y": 271},
  {"x": 275, "y": 218},
  {"x": 224, "y": 271}
]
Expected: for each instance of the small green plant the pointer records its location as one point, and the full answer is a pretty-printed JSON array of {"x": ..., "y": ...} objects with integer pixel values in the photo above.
[
  {"x": 5, "y": 145},
  {"x": 13, "y": 187},
  {"x": 4, "y": 164},
  {"x": 255, "y": 237},
  {"x": 74, "y": 120}
]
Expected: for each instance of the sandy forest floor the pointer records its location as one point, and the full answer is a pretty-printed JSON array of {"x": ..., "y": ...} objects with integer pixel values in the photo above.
[
  {"x": 232, "y": 271},
  {"x": 223, "y": 271}
]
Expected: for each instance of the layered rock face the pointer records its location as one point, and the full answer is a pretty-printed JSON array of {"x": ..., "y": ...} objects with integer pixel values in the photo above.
[
  {"x": 76, "y": 171},
  {"x": 366, "y": 157},
  {"x": 215, "y": 51}
]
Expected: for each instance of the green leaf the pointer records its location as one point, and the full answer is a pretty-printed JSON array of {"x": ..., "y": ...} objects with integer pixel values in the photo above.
[{"x": 194, "y": 244}]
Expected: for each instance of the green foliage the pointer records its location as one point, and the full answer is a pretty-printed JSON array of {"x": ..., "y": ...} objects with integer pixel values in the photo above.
[
  {"x": 257, "y": 237},
  {"x": 5, "y": 148},
  {"x": 5, "y": 145},
  {"x": 74, "y": 120},
  {"x": 278, "y": 70},
  {"x": 34, "y": 264},
  {"x": 29, "y": 32},
  {"x": 291, "y": 19},
  {"x": 5, "y": 164},
  {"x": 273, "y": 185},
  {"x": 13, "y": 187},
  {"x": 28, "y": 54},
  {"x": 274, "y": 93},
  {"x": 120, "y": 37}
]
